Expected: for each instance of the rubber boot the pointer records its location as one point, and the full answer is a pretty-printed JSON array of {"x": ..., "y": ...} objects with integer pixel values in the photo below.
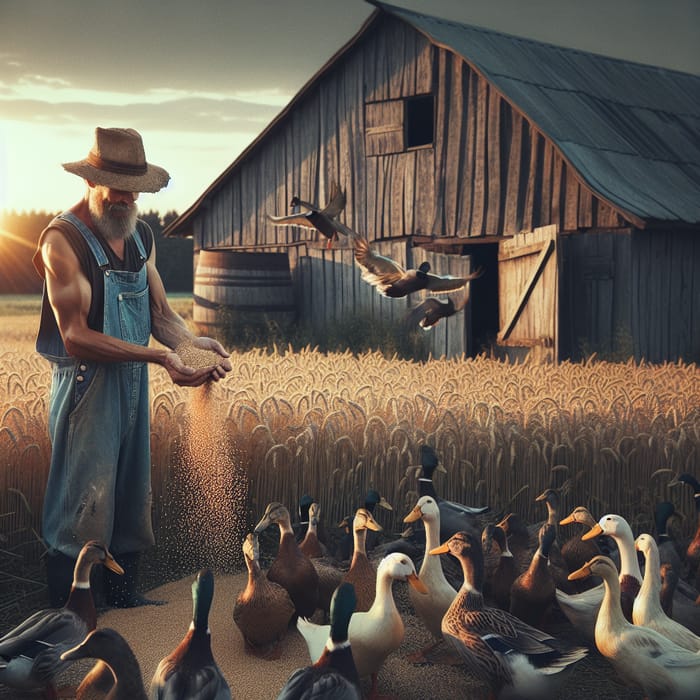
[
  {"x": 121, "y": 590},
  {"x": 59, "y": 578}
]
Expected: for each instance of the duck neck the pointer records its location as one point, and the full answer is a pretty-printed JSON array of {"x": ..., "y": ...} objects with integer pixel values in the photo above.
[
  {"x": 312, "y": 529},
  {"x": 359, "y": 536},
  {"x": 610, "y": 617},
  {"x": 473, "y": 572},
  {"x": 383, "y": 598},
  {"x": 502, "y": 541},
  {"x": 432, "y": 535},
  {"x": 254, "y": 571},
  {"x": 425, "y": 486},
  {"x": 650, "y": 591},
  {"x": 629, "y": 564},
  {"x": 80, "y": 599},
  {"x": 285, "y": 526}
]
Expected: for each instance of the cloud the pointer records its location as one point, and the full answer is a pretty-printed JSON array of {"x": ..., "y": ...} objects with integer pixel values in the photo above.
[{"x": 182, "y": 115}]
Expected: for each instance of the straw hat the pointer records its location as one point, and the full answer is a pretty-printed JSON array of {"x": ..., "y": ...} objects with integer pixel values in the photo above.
[{"x": 117, "y": 160}]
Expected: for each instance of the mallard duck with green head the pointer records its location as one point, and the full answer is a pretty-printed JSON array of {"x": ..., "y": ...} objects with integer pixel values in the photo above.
[
  {"x": 334, "y": 674},
  {"x": 190, "y": 671},
  {"x": 376, "y": 633}
]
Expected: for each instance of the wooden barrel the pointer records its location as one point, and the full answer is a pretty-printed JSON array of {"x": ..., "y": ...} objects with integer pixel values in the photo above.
[{"x": 233, "y": 288}]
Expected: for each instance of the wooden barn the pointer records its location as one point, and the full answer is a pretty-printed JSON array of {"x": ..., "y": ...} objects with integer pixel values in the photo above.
[{"x": 573, "y": 179}]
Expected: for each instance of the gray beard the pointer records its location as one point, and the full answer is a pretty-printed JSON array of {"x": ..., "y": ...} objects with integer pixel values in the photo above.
[{"x": 112, "y": 227}]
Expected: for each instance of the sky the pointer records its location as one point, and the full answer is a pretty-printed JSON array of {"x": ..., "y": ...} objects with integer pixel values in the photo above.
[{"x": 200, "y": 81}]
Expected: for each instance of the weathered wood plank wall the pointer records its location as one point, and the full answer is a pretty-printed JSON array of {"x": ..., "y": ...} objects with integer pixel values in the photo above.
[{"x": 631, "y": 293}]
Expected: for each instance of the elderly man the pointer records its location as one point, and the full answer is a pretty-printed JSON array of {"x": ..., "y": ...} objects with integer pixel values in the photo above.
[{"x": 103, "y": 300}]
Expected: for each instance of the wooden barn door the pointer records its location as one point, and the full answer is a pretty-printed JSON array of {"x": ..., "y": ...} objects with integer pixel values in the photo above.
[{"x": 528, "y": 294}]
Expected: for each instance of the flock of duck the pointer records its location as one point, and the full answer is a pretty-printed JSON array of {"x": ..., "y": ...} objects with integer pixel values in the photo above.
[
  {"x": 493, "y": 613},
  {"x": 387, "y": 276}
]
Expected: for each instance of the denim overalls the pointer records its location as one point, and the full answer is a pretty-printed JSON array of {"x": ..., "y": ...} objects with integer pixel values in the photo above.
[{"x": 99, "y": 484}]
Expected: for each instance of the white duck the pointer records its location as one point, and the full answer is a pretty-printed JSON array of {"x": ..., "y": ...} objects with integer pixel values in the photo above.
[
  {"x": 581, "y": 609},
  {"x": 432, "y": 607},
  {"x": 647, "y": 608},
  {"x": 641, "y": 656},
  {"x": 376, "y": 633}
]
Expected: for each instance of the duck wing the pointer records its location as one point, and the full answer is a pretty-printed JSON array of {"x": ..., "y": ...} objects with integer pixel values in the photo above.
[
  {"x": 378, "y": 270},
  {"x": 336, "y": 202},
  {"x": 312, "y": 683},
  {"x": 375, "y": 264},
  {"x": 30, "y": 654},
  {"x": 201, "y": 682},
  {"x": 45, "y": 628},
  {"x": 301, "y": 219},
  {"x": 449, "y": 283},
  {"x": 429, "y": 312}
]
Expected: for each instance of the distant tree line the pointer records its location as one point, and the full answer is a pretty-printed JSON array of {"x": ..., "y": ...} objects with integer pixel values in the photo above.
[{"x": 19, "y": 233}]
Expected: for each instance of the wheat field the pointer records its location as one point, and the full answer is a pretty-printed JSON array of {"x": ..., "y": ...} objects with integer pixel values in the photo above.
[{"x": 286, "y": 423}]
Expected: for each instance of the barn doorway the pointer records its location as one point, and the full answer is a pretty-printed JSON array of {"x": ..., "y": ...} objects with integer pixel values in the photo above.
[{"x": 483, "y": 319}]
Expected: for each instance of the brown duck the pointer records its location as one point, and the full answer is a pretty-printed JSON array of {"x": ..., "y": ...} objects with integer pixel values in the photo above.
[
  {"x": 291, "y": 568},
  {"x": 532, "y": 593},
  {"x": 263, "y": 610},
  {"x": 361, "y": 573}
]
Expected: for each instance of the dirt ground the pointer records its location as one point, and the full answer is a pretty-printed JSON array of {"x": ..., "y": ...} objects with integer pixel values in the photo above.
[{"x": 153, "y": 632}]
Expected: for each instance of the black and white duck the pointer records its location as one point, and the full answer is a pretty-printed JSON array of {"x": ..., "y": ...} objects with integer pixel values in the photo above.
[
  {"x": 454, "y": 516},
  {"x": 376, "y": 633}
]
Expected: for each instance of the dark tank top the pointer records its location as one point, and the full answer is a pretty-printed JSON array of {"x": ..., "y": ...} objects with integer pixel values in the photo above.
[{"x": 132, "y": 263}]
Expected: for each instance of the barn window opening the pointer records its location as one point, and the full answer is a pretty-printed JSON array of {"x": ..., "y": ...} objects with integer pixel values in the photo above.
[
  {"x": 396, "y": 126},
  {"x": 419, "y": 121}
]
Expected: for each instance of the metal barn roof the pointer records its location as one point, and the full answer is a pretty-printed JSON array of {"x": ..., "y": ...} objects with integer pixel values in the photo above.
[{"x": 631, "y": 131}]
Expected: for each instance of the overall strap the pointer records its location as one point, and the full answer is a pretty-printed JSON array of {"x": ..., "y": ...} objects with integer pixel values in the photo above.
[
  {"x": 89, "y": 237},
  {"x": 140, "y": 245}
]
